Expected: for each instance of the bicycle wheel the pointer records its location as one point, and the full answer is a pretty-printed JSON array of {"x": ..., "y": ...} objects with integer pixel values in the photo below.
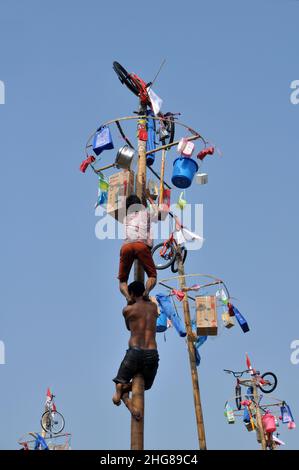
[
  {"x": 165, "y": 260},
  {"x": 238, "y": 393},
  {"x": 52, "y": 422},
  {"x": 175, "y": 264},
  {"x": 271, "y": 384},
  {"x": 125, "y": 78},
  {"x": 170, "y": 126}
]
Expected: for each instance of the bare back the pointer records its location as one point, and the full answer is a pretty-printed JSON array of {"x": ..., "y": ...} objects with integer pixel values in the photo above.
[{"x": 141, "y": 320}]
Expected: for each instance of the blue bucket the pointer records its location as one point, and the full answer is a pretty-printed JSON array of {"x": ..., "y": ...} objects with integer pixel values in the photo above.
[{"x": 184, "y": 169}]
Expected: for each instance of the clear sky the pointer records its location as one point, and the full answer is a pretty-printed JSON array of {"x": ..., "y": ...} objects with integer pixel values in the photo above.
[{"x": 229, "y": 66}]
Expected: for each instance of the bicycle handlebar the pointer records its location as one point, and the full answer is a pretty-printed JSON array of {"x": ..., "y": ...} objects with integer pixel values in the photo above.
[{"x": 237, "y": 374}]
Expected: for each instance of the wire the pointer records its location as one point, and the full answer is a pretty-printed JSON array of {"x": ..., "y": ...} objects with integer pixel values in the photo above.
[{"x": 160, "y": 68}]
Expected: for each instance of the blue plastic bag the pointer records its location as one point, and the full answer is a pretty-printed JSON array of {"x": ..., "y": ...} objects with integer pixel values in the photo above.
[
  {"x": 241, "y": 320},
  {"x": 161, "y": 324},
  {"x": 167, "y": 308},
  {"x": 286, "y": 414},
  {"x": 151, "y": 133},
  {"x": 102, "y": 140},
  {"x": 246, "y": 417}
]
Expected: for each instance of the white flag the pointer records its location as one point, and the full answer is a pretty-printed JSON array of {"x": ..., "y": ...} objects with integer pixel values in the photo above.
[{"x": 155, "y": 100}]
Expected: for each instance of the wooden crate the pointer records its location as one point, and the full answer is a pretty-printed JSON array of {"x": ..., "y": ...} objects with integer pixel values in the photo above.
[{"x": 206, "y": 315}]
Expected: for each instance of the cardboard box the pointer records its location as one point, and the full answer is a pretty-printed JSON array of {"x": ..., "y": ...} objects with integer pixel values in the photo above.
[
  {"x": 121, "y": 185},
  {"x": 228, "y": 321},
  {"x": 206, "y": 315}
]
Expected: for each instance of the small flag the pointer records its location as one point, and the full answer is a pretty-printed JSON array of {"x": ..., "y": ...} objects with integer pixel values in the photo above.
[
  {"x": 248, "y": 363},
  {"x": 48, "y": 396},
  {"x": 155, "y": 100}
]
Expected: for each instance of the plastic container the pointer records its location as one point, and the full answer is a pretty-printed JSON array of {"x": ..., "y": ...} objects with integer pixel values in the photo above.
[
  {"x": 268, "y": 421},
  {"x": 184, "y": 169},
  {"x": 102, "y": 140},
  {"x": 229, "y": 413},
  {"x": 201, "y": 178},
  {"x": 185, "y": 147}
]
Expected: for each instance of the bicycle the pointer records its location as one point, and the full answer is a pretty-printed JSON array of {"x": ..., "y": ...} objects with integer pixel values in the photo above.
[
  {"x": 140, "y": 89},
  {"x": 168, "y": 255},
  {"x": 52, "y": 421},
  {"x": 266, "y": 382}
]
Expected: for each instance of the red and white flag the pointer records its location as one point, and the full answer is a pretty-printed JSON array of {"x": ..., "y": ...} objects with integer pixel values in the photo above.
[
  {"x": 248, "y": 363},
  {"x": 49, "y": 396}
]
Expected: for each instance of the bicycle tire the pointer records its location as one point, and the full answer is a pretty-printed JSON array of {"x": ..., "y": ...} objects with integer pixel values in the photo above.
[
  {"x": 238, "y": 394},
  {"x": 174, "y": 266},
  {"x": 168, "y": 262},
  {"x": 170, "y": 128},
  {"x": 50, "y": 429},
  {"x": 274, "y": 384},
  {"x": 125, "y": 78}
]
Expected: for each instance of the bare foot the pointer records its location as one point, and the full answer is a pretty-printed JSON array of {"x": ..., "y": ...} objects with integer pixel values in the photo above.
[
  {"x": 116, "y": 400},
  {"x": 134, "y": 412},
  {"x": 117, "y": 395}
]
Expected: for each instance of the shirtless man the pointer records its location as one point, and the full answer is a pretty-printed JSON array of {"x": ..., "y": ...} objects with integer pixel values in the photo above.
[{"x": 142, "y": 355}]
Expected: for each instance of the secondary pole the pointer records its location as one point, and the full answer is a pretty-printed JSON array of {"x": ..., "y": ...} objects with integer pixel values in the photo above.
[
  {"x": 194, "y": 374},
  {"x": 259, "y": 423},
  {"x": 137, "y": 427}
]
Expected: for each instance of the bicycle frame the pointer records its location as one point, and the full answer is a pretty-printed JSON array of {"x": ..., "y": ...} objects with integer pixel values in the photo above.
[{"x": 170, "y": 243}]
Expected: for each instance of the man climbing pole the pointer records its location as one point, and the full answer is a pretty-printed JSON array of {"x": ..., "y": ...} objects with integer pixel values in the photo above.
[
  {"x": 142, "y": 356},
  {"x": 137, "y": 244}
]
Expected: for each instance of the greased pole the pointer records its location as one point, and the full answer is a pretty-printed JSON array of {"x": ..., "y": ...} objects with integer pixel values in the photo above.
[
  {"x": 259, "y": 423},
  {"x": 194, "y": 374},
  {"x": 137, "y": 427}
]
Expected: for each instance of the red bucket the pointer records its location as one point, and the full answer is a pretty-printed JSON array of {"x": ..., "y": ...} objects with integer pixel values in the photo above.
[{"x": 269, "y": 423}]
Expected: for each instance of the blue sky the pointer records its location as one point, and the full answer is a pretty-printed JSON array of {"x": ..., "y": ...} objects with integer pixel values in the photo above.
[{"x": 228, "y": 70}]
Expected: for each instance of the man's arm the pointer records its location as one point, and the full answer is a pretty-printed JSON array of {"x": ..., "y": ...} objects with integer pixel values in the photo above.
[
  {"x": 155, "y": 309},
  {"x": 154, "y": 210},
  {"x": 126, "y": 314}
]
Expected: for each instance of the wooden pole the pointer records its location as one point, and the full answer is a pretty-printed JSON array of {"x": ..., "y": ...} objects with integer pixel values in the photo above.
[
  {"x": 137, "y": 427},
  {"x": 162, "y": 177},
  {"x": 259, "y": 424},
  {"x": 194, "y": 374}
]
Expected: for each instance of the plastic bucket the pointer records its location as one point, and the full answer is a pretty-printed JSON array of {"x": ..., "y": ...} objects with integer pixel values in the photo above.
[
  {"x": 269, "y": 423},
  {"x": 184, "y": 169}
]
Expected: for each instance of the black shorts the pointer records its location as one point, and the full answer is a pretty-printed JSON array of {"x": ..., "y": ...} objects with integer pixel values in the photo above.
[{"x": 136, "y": 360}]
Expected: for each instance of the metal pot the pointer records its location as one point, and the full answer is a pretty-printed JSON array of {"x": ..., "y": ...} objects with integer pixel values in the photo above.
[{"x": 124, "y": 157}]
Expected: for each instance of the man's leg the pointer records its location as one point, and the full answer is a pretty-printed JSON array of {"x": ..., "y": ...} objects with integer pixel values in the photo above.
[
  {"x": 125, "y": 264},
  {"x": 128, "y": 402},
  {"x": 150, "y": 284},
  {"x": 123, "y": 287},
  {"x": 117, "y": 395},
  {"x": 120, "y": 389},
  {"x": 144, "y": 255}
]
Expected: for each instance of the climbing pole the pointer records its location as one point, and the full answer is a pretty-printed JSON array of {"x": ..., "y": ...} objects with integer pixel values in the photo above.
[
  {"x": 137, "y": 427},
  {"x": 259, "y": 423},
  {"x": 192, "y": 361}
]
